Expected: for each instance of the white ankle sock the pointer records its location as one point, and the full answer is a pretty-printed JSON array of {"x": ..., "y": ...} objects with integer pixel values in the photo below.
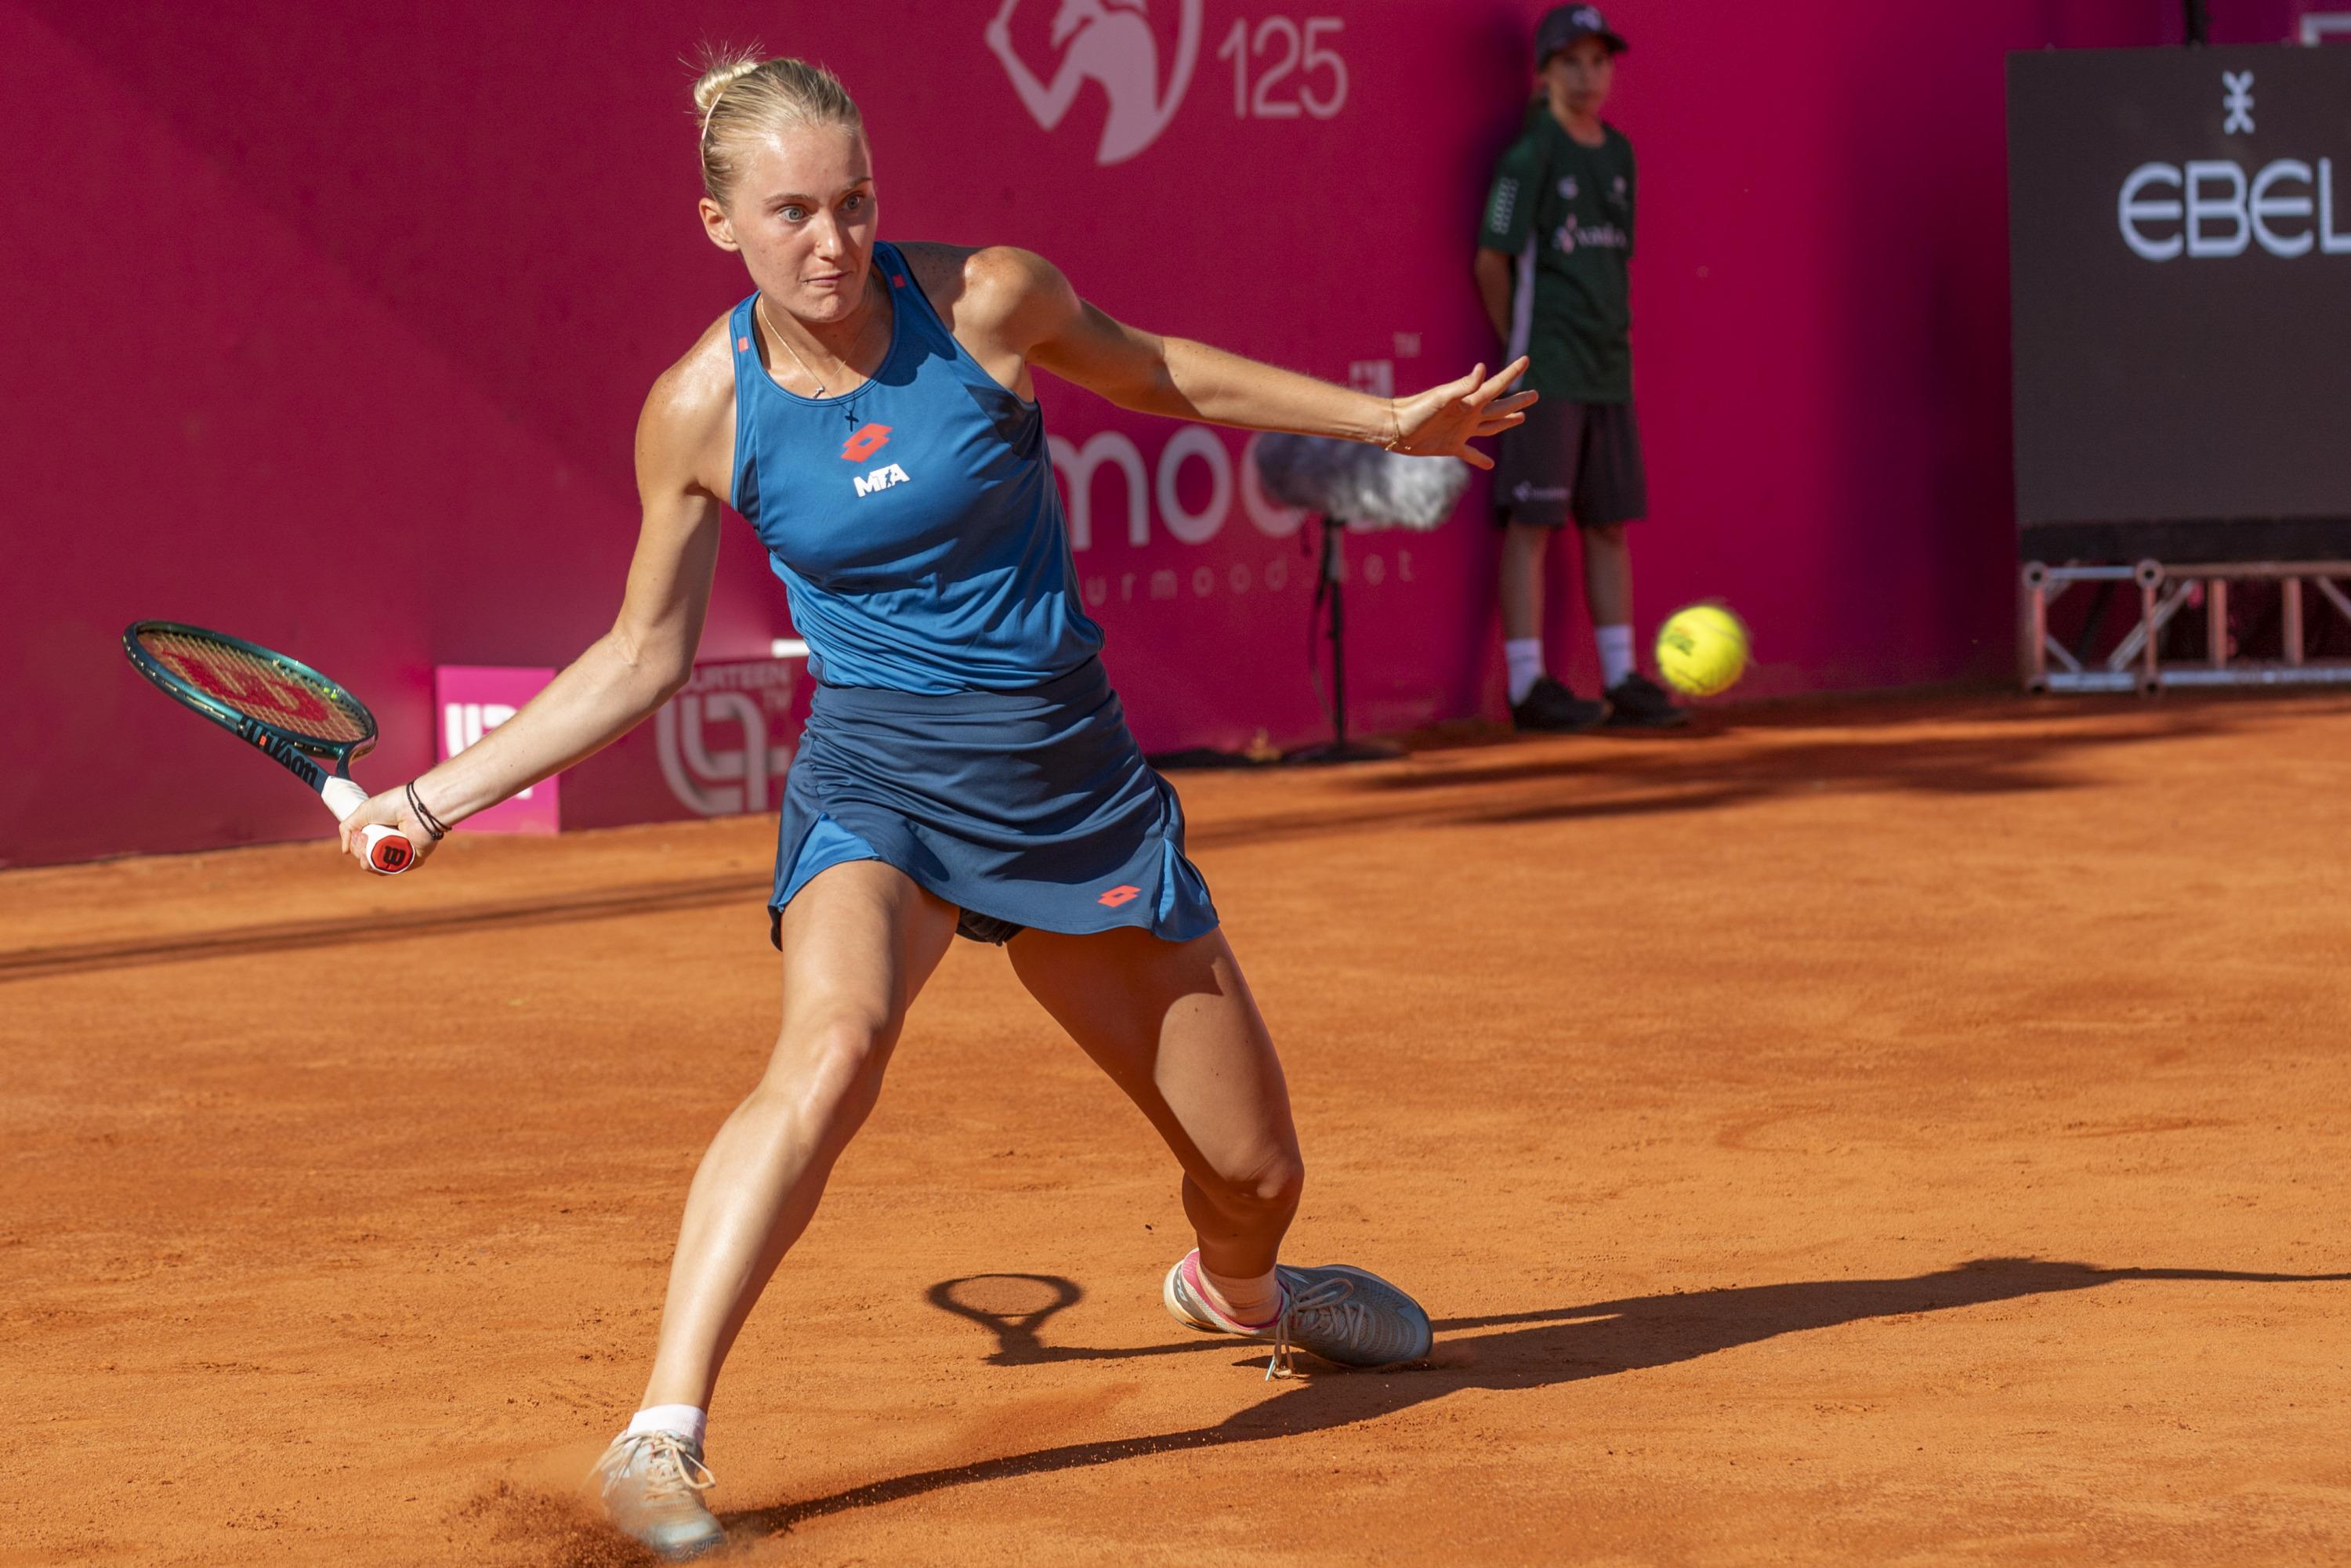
[
  {"x": 1523, "y": 658},
  {"x": 1252, "y": 1303},
  {"x": 688, "y": 1421},
  {"x": 1615, "y": 653}
]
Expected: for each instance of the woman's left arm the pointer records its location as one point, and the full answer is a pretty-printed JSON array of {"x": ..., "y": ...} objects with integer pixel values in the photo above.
[{"x": 1041, "y": 317}]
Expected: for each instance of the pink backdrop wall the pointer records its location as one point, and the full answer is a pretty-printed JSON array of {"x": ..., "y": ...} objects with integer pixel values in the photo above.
[{"x": 328, "y": 325}]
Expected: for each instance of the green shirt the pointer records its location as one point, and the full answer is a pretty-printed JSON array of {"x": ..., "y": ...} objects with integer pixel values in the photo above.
[{"x": 1565, "y": 211}]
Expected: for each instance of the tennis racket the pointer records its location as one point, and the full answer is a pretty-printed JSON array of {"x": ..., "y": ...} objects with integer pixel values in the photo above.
[{"x": 280, "y": 705}]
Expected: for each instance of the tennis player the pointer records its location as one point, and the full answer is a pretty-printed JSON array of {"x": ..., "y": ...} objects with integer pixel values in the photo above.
[{"x": 965, "y": 767}]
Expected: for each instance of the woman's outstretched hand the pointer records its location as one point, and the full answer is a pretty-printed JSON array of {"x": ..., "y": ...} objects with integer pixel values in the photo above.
[{"x": 1443, "y": 421}]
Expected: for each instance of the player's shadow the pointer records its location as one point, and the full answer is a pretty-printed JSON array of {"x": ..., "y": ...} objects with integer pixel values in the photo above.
[
  {"x": 1998, "y": 754},
  {"x": 2013, "y": 751},
  {"x": 1536, "y": 1349}
]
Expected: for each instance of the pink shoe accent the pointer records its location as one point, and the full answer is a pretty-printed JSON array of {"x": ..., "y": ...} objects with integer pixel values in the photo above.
[{"x": 1213, "y": 1300}]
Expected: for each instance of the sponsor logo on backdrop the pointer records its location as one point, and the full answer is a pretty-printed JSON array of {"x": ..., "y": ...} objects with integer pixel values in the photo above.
[
  {"x": 464, "y": 724},
  {"x": 2211, "y": 208},
  {"x": 2237, "y": 102},
  {"x": 719, "y": 754},
  {"x": 1192, "y": 491},
  {"x": 475, "y": 699},
  {"x": 1109, "y": 42}
]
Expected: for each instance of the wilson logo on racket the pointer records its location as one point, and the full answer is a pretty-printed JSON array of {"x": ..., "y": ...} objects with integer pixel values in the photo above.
[
  {"x": 283, "y": 752},
  {"x": 1118, "y": 895},
  {"x": 253, "y": 691},
  {"x": 865, "y": 443}
]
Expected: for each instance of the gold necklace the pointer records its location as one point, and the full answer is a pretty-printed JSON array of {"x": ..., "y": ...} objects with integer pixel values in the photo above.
[{"x": 760, "y": 305}]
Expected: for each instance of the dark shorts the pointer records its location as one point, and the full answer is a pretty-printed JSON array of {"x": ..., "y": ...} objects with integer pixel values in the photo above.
[
  {"x": 977, "y": 927},
  {"x": 1025, "y": 809},
  {"x": 1572, "y": 461}
]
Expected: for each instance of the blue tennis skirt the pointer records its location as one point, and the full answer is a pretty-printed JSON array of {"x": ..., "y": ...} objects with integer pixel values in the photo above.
[{"x": 1027, "y": 808}]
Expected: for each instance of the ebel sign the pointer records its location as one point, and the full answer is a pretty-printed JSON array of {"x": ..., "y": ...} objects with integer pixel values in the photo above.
[
  {"x": 2213, "y": 207},
  {"x": 2180, "y": 233}
]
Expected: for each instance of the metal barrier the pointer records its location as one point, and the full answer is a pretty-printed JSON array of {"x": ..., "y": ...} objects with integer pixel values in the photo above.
[{"x": 2133, "y": 663}]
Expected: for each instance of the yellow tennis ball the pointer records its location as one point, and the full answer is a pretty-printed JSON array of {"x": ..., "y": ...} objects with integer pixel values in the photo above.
[{"x": 1702, "y": 650}]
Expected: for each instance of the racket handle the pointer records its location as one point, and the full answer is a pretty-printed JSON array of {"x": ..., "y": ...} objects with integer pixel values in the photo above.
[{"x": 388, "y": 852}]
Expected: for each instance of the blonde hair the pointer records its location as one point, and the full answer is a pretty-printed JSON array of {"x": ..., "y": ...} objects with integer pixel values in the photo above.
[{"x": 739, "y": 96}]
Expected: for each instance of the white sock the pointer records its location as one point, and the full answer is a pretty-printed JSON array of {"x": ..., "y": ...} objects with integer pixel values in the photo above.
[
  {"x": 1252, "y": 1303},
  {"x": 1615, "y": 653},
  {"x": 1523, "y": 657},
  {"x": 688, "y": 1421}
]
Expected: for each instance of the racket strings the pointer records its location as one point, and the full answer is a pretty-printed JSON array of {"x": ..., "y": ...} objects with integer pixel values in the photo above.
[{"x": 261, "y": 689}]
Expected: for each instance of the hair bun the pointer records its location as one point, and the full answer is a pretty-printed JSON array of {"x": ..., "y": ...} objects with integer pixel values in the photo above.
[
  {"x": 722, "y": 72},
  {"x": 739, "y": 96}
]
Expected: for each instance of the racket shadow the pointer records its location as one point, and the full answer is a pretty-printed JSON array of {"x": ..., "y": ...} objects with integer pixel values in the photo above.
[
  {"x": 1527, "y": 1350},
  {"x": 1013, "y": 1307}
]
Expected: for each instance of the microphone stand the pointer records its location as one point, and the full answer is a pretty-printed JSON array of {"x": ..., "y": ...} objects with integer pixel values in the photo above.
[{"x": 1331, "y": 583}]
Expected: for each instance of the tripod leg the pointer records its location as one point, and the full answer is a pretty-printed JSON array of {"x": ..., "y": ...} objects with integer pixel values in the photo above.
[{"x": 1334, "y": 534}]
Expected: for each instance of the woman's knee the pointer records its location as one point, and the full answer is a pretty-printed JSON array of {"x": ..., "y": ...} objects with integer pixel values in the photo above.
[{"x": 828, "y": 1070}]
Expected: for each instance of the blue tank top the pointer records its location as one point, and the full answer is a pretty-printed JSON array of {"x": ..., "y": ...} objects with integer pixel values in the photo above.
[{"x": 914, "y": 520}]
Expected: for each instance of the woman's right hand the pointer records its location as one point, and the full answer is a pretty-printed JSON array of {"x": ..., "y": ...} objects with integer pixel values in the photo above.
[{"x": 389, "y": 810}]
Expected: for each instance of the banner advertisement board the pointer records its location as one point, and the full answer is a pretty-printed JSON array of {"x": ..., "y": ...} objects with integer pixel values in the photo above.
[
  {"x": 364, "y": 333},
  {"x": 718, "y": 749},
  {"x": 474, "y": 699},
  {"x": 2180, "y": 230}
]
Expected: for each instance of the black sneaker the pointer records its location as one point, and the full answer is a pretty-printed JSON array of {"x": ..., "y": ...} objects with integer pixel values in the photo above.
[
  {"x": 1638, "y": 702},
  {"x": 1551, "y": 706}
]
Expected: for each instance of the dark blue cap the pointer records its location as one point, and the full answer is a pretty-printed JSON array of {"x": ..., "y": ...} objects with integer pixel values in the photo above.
[{"x": 1565, "y": 24}]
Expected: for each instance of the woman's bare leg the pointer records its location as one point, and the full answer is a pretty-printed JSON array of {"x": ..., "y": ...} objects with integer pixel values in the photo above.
[
  {"x": 1174, "y": 1026},
  {"x": 859, "y": 942}
]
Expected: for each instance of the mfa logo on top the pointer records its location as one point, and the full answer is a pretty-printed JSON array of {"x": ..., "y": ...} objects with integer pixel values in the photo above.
[{"x": 1284, "y": 68}]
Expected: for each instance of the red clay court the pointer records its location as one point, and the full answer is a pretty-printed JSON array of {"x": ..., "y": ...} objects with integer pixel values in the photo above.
[{"x": 1882, "y": 1133}]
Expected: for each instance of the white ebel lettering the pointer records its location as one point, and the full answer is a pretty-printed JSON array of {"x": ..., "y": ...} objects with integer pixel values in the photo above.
[
  {"x": 882, "y": 478},
  {"x": 2265, "y": 206},
  {"x": 2201, "y": 210},
  {"x": 2221, "y": 212}
]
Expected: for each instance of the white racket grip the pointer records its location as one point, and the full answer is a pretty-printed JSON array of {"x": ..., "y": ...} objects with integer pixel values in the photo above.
[{"x": 388, "y": 852}]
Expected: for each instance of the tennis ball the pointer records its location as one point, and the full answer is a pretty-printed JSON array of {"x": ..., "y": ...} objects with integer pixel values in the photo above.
[{"x": 1702, "y": 650}]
